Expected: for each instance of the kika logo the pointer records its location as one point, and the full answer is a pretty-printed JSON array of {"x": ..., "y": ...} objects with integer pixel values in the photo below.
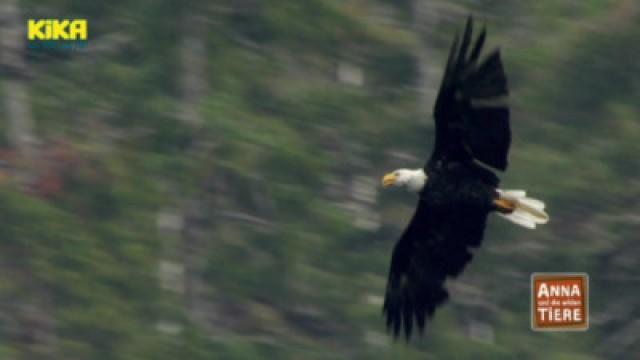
[
  {"x": 57, "y": 33},
  {"x": 560, "y": 301}
]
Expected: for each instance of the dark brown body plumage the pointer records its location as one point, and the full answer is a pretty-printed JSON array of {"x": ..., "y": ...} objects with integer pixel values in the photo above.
[{"x": 459, "y": 194}]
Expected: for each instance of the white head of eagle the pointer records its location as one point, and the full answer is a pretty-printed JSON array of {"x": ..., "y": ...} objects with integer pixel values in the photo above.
[{"x": 413, "y": 180}]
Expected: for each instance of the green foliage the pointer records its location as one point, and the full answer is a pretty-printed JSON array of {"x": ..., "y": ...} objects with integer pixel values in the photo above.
[{"x": 286, "y": 266}]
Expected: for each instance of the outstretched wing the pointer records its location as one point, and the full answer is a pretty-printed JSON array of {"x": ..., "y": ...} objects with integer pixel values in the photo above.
[
  {"x": 432, "y": 248},
  {"x": 471, "y": 123}
]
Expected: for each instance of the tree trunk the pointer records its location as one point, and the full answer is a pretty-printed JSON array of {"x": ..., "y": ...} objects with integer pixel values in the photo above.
[
  {"x": 193, "y": 88},
  {"x": 35, "y": 326},
  {"x": 15, "y": 90}
]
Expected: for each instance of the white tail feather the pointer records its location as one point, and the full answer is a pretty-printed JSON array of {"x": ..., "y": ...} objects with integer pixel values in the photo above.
[
  {"x": 528, "y": 213},
  {"x": 513, "y": 193}
]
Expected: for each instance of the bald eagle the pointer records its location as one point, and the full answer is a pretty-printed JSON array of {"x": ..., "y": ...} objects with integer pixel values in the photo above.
[{"x": 457, "y": 190}]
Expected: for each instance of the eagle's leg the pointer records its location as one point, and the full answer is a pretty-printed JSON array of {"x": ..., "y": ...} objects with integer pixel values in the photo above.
[
  {"x": 504, "y": 206},
  {"x": 516, "y": 207}
]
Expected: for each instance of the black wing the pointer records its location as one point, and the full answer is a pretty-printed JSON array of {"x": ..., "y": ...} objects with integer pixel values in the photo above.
[
  {"x": 432, "y": 248},
  {"x": 470, "y": 121}
]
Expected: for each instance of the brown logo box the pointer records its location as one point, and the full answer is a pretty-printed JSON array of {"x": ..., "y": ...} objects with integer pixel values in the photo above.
[{"x": 559, "y": 301}]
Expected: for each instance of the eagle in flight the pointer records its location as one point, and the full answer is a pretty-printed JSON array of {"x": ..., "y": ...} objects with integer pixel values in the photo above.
[{"x": 457, "y": 189}]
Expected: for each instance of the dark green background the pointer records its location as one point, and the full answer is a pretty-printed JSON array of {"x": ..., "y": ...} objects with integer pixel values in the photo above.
[{"x": 222, "y": 196}]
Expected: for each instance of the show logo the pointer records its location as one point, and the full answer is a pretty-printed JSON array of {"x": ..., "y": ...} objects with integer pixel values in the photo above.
[
  {"x": 68, "y": 34},
  {"x": 559, "y": 301}
]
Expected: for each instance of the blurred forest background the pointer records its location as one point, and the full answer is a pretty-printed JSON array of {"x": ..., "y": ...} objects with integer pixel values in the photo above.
[{"x": 202, "y": 182}]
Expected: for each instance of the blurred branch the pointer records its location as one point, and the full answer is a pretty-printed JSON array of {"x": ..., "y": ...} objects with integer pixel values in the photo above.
[
  {"x": 193, "y": 58},
  {"x": 426, "y": 18},
  {"x": 109, "y": 45},
  {"x": 236, "y": 215},
  {"x": 618, "y": 343}
]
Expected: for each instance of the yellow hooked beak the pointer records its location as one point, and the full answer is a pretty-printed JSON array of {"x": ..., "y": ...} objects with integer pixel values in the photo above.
[{"x": 389, "y": 179}]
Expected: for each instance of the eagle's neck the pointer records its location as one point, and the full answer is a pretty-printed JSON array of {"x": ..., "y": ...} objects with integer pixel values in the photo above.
[{"x": 416, "y": 180}]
